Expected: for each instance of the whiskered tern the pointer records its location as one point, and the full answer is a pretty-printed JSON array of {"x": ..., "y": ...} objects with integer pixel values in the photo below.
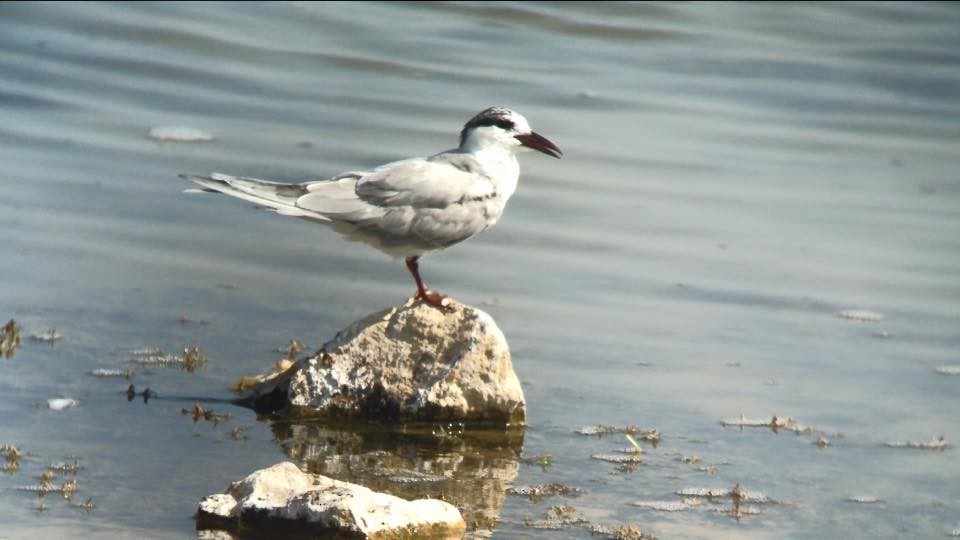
[{"x": 412, "y": 207}]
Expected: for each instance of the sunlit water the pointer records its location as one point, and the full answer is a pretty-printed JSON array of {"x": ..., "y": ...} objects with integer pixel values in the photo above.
[{"x": 734, "y": 177}]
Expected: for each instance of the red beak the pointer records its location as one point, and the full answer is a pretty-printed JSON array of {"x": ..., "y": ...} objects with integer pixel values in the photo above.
[{"x": 539, "y": 143}]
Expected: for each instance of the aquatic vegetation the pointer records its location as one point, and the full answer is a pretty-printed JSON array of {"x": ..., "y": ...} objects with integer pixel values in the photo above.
[
  {"x": 9, "y": 338},
  {"x": 933, "y": 444}
]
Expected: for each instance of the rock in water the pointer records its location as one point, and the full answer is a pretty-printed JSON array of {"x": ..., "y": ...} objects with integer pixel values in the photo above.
[
  {"x": 283, "y": 500},
  {"x": 409, "y": 363}
]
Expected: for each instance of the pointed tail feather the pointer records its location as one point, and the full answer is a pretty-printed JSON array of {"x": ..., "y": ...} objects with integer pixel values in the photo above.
[{"x": 275, "y": 196}]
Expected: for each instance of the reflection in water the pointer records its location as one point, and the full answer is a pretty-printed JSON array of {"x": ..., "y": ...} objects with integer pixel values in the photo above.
[{"x": 469, "y": 469}]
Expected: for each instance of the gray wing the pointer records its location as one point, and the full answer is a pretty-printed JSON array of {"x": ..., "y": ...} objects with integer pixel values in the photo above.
[{"x": 425, "y": 202}]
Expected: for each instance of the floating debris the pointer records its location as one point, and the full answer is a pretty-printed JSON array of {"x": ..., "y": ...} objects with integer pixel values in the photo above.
[
  {"x": 239, "y": 433},
  {"x": 933, "y": 444},
  {"x": 9, "y": 338},
  {"x": 737, "y": 493},
  {"x": 409, "y": 476},
  {"x": 102, "y": 373},
  {"x": 689, "y": 460},
  {"x": 618, "y": 458},
  {"x": 66, "y": 468},
  {"x": 881, "y": 334},
  {"x": 197, "y": 412},
  {"x": 68, "y": 489},
  {"x": 865, "y": 499},
  {"x": 59, "y": 404},
  {"x": 192, "y": 360},
  {"x": 558, "y": 517},
  {"x": 651, "y": 435},
  {"x": 50, "y": 336},
  {"x": 597, "y": 431},
  {"x": 665, "y": 506},
  {"x": 539, "y": 491},
  {"x": 948, "y": 370},
  {"x": 627, "y": 532},
  {"x": 184, "y": 320},
  {"x": 87, "y": 505},
  {"x": 543, "y": 460},
  {"x": 861, "y": 315},
  {"x": 11, "y": 452},
  {"x": 736, "y": 511},
  {"x": 178, "y": 134},
  {"x": 821, "y": 442},
  {"x": 151, "y": 351},
  {"x": 776, "y": 422}
]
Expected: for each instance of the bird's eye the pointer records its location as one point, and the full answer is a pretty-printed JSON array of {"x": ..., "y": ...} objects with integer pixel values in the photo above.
[{"x": 504, "y": 124}]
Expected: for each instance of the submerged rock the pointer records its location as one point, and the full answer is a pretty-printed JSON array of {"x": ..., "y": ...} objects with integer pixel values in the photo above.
[
  {"x": 282, "y": 499},
  {"x": 410, "y": 363}
]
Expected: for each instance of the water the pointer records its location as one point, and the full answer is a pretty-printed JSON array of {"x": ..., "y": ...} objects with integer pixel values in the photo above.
[{"x": 734, "y": 176}]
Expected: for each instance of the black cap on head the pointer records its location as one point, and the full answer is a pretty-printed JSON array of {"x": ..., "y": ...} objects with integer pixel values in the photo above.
[{"x": 501, "y": 117}]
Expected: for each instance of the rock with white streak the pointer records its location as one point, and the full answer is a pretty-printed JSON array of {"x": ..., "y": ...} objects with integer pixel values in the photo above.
[
  {"x": 283, "y": 500},
  {"x": 414, "y": 362}
]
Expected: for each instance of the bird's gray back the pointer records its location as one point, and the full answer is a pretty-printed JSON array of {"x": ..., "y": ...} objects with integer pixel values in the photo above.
[{"x": 409, "y": 207}]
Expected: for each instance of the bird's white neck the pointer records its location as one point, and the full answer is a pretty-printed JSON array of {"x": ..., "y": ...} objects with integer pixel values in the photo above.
[{"x": 501, "y": 166}]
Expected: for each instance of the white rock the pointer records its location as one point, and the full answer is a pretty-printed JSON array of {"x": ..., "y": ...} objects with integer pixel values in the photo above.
[
  {"x": 282, "y": 497},
  {"x": 59, "y": 404},
  {"x": 178, "y": 134},
  {"x": 662, "y": 506},
  {"x": 862, "y": 315},
  {"x": 413, "y": 362}
]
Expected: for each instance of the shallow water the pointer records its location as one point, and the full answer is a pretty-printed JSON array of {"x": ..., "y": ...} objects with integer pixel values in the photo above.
[{"x": 734, "y": 176}]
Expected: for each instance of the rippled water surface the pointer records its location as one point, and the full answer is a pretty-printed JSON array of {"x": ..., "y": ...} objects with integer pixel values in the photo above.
[{"x": 735, "y": 175}]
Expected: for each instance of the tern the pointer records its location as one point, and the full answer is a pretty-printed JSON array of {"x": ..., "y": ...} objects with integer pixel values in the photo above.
[{"x": 413, "y": 207}]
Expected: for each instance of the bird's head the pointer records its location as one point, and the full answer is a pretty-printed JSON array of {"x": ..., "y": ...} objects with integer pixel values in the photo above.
[{"x": 504, "y": 128}]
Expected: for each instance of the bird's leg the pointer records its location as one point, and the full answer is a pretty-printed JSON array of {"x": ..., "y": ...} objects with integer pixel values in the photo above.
[{"x": 427, "y": 295}]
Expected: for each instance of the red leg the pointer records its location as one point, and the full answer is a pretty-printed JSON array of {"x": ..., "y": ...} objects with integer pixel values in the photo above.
[{"x": 427, "y": 295}]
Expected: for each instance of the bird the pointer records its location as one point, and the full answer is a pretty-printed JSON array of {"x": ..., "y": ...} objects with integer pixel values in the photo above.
[{"x": 412, "y": 207}]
